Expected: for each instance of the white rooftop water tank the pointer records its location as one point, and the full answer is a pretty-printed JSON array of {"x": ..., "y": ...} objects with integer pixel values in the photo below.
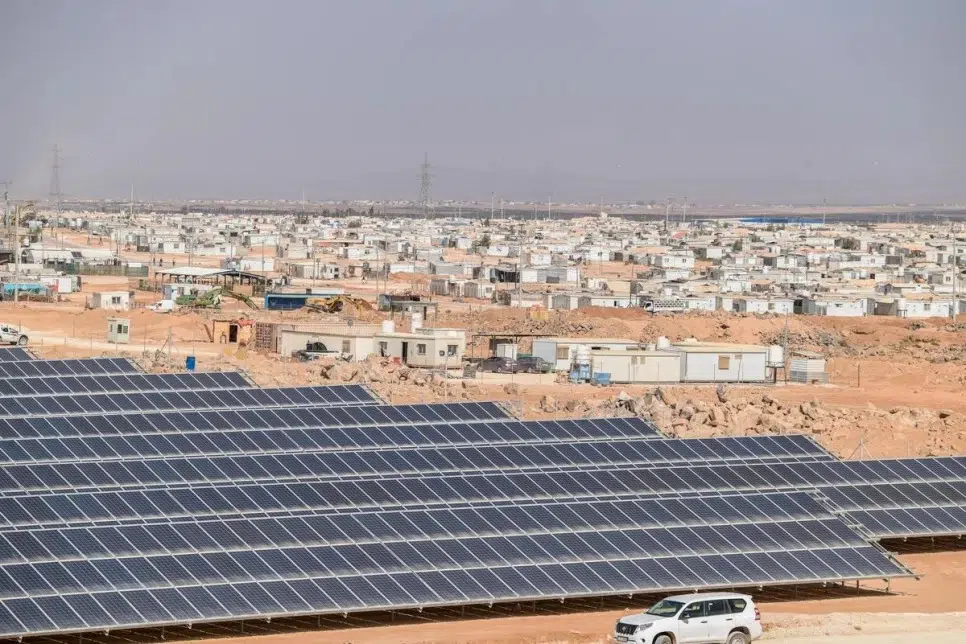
[
  {"x": 776, "y": 355},
  {"x": 663, "y": 343}
]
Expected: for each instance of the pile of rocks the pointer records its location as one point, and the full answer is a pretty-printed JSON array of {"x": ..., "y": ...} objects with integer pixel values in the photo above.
[{"x": 733, "y": 413}]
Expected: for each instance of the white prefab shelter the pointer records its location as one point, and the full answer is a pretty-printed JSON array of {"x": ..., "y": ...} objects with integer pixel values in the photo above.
[
  {"x": 718, "y": 362},
  {"x": 118, "y": 330},
  {"x": 111, "y": 300},
  {"x": 560, "y": 352},
  {"x": 636, "y": 366}
]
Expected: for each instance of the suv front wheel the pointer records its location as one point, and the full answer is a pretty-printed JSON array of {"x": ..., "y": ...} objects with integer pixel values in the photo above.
[
  {"x": 663, "y": 638},
  {"x": 737, "y": 637},
  {"x": 22, "y": 341}
]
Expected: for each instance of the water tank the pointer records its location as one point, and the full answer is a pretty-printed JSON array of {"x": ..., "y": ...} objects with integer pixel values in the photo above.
[
  {"x": 388, "y": 326},
  {"x": 583, "y": 355},
  {"x": 776, "y": 355},
  {"x": 663, "y": 343}
]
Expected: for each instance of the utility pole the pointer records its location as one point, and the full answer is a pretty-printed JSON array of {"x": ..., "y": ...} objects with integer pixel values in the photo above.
[
  {"x": 16, "y": 249},
  {"x": 549, "y": 217},
  {"x": 667, "y": 214},
  {"x": 56, "y": 197},
  {"x": 425, "y": 183},
  {"x": 684, "y": 216},
  {"x": 492, "y": 205},
  {"x": 6, "y": 204},
  {"x": 955, "y": 276},
  {"x": 824, "y": 211}
]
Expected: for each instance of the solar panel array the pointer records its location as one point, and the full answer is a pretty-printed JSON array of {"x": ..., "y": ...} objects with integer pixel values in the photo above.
[
  {"x": 133, "y": 500},
  {"x": 15, "y": 354}
]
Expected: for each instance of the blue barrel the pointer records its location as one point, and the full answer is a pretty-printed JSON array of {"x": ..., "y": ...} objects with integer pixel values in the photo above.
[{"x": 189, "y": 363}]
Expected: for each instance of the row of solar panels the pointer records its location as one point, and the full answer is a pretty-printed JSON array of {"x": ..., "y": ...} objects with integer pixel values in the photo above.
[
  {"x": 142, "y": 473},
  {"x": 729, "y": 515},
  {"x": 191, "y": 399},
  {"x": 777, "y": 539},
  {"x": 130, "y": 382},
  {"x": 190, "y": 422},
  {"x": 60, "y": 368},
  {"x": 15, "y": 354},
  {"x": 314, "y": 494}
]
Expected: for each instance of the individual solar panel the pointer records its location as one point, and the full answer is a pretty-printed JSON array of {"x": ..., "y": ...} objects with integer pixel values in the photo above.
[
  {"x": 369, "y": 571},
  {"x": 58, "y": 368},
  {"x": 277, "y": 464},
  {"x": 15, "y": 354},
  {"x": 192, "y": 398}
]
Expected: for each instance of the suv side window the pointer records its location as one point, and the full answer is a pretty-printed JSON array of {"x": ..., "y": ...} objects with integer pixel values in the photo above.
[
  {"x": 693, "y": 610},
  {"x": 737, "y": 605},
  {"x": 716, "y": 607}
]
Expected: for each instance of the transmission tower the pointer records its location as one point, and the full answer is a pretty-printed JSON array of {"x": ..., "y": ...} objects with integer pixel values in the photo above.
[
  {"x": 425, "y": 183},
  {"x": 56, "y": 196}
]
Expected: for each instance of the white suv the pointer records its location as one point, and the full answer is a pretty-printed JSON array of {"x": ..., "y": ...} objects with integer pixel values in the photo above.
[
  {"x": 701, "y": 618},
  {"x": 12, "y": 335}
]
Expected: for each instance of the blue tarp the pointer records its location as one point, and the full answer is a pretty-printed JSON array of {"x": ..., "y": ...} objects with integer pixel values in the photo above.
[{"x": 24, "y": 287}]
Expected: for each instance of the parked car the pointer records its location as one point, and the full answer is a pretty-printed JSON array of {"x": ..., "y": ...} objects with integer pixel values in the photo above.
[
  {"x": 12, "y": 335},
  {"x": 533, "y": 364},
  {"x": 313, "y": 351},
  {"x": 705, "y": 618},
  {"x": 498, "y": 365}
]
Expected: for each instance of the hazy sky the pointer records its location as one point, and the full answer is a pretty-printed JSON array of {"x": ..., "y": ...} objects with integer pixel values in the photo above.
[{"x": 851, "y": 100}]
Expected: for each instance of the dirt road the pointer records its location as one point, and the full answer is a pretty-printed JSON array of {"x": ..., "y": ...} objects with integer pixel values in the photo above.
[{"x": 948, "y": 637}]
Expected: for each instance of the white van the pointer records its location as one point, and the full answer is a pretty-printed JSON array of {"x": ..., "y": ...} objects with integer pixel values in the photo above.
[
  {"x": 162, "y": 306},
  {"x": 699, "y": 618}
]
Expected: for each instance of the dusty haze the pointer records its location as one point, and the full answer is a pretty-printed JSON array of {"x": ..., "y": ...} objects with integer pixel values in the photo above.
[{"x": 856, "y": 101}]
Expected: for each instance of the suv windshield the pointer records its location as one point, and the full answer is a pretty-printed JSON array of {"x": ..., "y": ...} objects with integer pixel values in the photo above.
[{"x": 665, "y": 608}]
